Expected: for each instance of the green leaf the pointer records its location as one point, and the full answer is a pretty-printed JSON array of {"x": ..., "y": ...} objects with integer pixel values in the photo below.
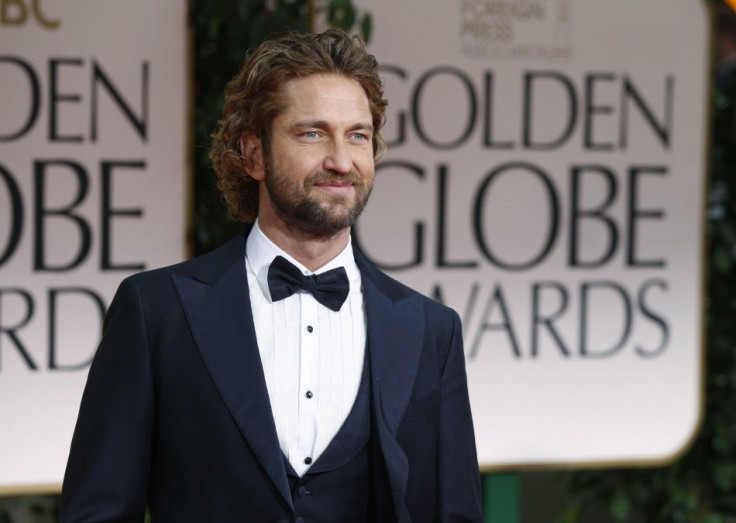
[
  {"x": 620, "y": 506},
  {"x": 366, "y": 27},
  {"x": 569, "y": 516}
]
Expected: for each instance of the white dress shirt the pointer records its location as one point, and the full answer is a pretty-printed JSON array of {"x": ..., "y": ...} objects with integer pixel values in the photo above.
[{"x": 312, "y": 356}]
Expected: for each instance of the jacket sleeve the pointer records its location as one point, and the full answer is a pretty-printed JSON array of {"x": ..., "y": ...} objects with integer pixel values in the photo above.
[
  {"x": 459, "y": 478},
  {"x": 107, "y": 473}
]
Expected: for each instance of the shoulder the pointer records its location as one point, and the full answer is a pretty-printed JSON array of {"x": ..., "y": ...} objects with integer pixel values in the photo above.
[
  {"x": 207, "y": 268},
  {"x": 152, "y": 296},
  {"x": 396, "y": 291},
  {"x": 440, "y": 326}
]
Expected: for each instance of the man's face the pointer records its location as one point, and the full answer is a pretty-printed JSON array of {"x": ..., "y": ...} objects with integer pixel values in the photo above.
[{"x": 319, "y": 169}]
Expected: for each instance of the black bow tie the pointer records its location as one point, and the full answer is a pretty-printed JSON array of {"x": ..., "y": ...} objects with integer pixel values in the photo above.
[{"x": 329, "y": 288}]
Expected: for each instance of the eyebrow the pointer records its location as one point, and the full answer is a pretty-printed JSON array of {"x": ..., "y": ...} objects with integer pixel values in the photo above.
[{"x": 324, "y": 124}]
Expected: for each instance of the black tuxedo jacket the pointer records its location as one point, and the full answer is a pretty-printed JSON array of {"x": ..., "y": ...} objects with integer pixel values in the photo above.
[{"x": 176, "y": 412}]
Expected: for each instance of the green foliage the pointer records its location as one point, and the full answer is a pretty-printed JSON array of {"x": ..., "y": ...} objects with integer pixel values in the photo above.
[
  {"x": 36, "y": 509},
  {"x": 223, "y": 31},
  {"x": 700, "y": 487}
]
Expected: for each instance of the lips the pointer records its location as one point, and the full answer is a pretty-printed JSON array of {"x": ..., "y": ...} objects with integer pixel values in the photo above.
[
  {"x": 329, "y": 178},
  {"x": 335, "y": 187},
  {"x": 334, "y": 184}
]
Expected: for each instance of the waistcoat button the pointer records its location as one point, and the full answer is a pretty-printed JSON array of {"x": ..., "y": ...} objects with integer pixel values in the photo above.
[{"x": 302, "y": 491}]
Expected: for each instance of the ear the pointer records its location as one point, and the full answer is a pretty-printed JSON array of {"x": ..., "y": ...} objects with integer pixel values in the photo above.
[{"x": 252, "y": 150}]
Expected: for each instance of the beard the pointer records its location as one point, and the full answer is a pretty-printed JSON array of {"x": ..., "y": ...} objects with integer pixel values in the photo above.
[{"x": 312, "y": 212}]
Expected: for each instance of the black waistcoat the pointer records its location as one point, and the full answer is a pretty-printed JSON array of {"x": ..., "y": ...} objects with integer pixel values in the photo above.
[{"x": 339, "y": 485}]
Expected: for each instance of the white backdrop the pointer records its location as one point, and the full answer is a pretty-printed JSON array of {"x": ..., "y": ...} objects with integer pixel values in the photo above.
[
  {"x": 92, "y": 188},
  {"x": 546, "y": 179}
]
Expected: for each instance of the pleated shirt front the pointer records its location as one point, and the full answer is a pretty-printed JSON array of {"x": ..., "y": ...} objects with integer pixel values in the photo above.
[{"x": 312, "y": 356}]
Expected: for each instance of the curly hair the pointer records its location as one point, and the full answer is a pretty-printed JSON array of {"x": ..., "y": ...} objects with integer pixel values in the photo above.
[{"x": 255, "y": 97}]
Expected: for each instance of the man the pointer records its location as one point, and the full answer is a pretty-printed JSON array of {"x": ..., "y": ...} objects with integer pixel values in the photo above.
[{"x": 280, "y": 377}]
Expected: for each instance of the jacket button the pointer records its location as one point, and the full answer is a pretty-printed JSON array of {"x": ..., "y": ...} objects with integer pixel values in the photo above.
[
  {"x": 302, "y": 491},
  {"x": 299, "y": 520}
]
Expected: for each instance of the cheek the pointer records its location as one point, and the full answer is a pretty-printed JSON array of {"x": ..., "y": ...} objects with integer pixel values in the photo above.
[
  {"x": 365, "y": 166},
  {"x": 368, "y": 172},
  {"x": 298, "y": 168}
]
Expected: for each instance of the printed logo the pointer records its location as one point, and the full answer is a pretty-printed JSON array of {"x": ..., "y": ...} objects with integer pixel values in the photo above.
[
  {"x": 17, "y": 13},
  {"x": 532, "y": 29}
]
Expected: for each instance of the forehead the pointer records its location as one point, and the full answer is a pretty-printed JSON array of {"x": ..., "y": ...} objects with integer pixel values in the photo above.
[{"x": 329, "y": 96}]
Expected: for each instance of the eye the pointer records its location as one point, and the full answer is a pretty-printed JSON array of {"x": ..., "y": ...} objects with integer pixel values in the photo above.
[
  {"x": 360, "y": 137},
  {"x": 310, "y": 135}
]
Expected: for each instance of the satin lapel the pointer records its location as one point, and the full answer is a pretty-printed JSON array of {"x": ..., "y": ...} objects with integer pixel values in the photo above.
[
  {"x": 219, "y": 314},
  {"x": 395, "y": 338},
  {"x": 395, "y": 322}
]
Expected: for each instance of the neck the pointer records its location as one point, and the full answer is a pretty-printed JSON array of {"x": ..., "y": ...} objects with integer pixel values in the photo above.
[{"x": 312, "y": 251}]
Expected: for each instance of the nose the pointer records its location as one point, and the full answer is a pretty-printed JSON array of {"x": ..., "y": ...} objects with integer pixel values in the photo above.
[{"x": 338, "y": 159}]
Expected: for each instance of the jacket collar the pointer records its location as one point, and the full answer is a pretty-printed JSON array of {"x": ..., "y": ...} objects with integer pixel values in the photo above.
[
  {"x": 395, "y": 319},
  {"x": 216, "y": 304}
]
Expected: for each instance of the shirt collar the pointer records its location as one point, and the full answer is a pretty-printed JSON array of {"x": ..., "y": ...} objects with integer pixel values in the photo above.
[{"x": 261, "y": 251}]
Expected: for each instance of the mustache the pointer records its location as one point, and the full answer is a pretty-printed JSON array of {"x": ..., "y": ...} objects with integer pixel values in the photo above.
[{"x": 321, "y": 177}]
